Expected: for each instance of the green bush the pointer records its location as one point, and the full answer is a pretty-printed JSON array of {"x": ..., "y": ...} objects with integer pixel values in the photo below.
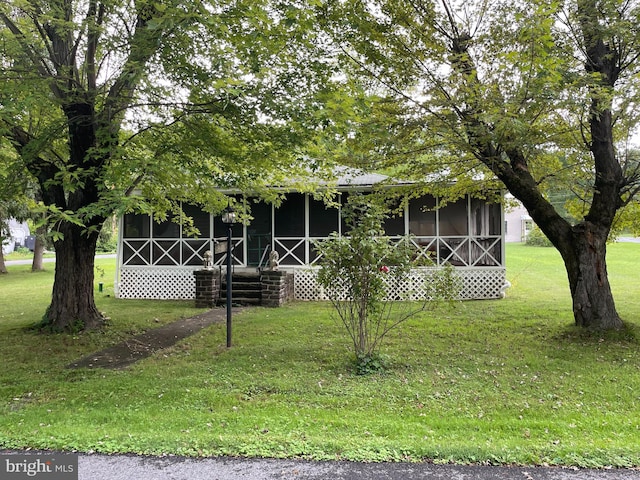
[
  {"x": 538, "y": 239},
  {"x": 107, "y": 246}
]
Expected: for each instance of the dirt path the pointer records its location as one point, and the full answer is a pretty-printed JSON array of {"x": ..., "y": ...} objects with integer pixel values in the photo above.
[{"x": 146, "y": 344}]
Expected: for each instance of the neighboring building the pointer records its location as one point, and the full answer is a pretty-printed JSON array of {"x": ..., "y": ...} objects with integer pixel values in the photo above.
[
  {"x": 18, "y": 233},
  {"x": 155, "y": 260},
  {"x": 517, "y": 222}
]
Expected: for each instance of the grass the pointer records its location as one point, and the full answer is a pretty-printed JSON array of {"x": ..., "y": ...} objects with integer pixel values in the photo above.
[
  {"x": 505, "y": 382},
  {"x": 24, "y": 254}
]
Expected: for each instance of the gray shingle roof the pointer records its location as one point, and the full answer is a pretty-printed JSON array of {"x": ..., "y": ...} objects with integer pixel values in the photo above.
[{"x": 355, "y": 177}]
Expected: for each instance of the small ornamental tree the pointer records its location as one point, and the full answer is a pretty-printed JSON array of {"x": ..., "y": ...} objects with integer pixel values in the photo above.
[{"x": 362, "y": 274}]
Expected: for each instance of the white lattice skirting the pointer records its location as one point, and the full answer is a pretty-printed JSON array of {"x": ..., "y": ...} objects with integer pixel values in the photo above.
[
  {"x": 157, "y": 283},
  {"x": 476, "y": 284},
  {"x": 179, "y": 283}
]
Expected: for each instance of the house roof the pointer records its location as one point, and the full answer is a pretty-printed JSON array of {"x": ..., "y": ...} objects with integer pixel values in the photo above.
[
  {"x": 347, "y": 176},
  {"x": 343, "y": 178}
]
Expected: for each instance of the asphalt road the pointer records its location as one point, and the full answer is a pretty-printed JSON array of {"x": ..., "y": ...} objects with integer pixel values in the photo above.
[
  {"x": 100, "y": 467},
  {"x": 127, "y": 467}
]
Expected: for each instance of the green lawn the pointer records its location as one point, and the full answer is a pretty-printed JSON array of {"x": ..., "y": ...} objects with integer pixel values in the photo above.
[
  {"x": 23, "y": 254},
  {"x": 505, "y": 381}
]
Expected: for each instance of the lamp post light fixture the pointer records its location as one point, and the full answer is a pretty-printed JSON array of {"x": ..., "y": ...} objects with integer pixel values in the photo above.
[{"x": 229, "y": 218}]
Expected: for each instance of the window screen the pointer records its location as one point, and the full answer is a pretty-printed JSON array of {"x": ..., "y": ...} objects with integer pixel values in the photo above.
[
  {"x": 166, "y": 229},
  {"x": 323, "y": 220},
  {"x": 495, "y": 216},
  {"x": 201, "y": 220},
  {"x": 422, "y": 216},
  {"x": 453, "y": 218},
  {"x": 136, "y": 226},
  {"x": 290, "y": 216},
  {"x": 394, "y": 224}
]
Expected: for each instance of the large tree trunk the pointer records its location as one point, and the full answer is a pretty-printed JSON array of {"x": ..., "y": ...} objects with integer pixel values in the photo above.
[
  {"x": 72, "y": 303},
  {"x": 583, "y": 248},
  {"x": 73, "y": 306},
  {"x": 585, "y": 261}
]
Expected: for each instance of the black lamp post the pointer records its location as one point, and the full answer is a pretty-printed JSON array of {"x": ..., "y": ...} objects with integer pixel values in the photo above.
[{"x": 229, "y": 218}]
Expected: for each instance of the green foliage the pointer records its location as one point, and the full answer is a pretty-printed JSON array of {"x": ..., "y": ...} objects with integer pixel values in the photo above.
[
  {"x": 536, "y": 238},
  {"x": 360, "y": 268},
  {"x": 476, "y": 97},
  {"x": 107, "y": 239},
  {"x": 107, "y": 245},
  {"x": 13, "y": 186},
  {"x": 370, "y": 363},
  {"x": 627, "y": 221}
]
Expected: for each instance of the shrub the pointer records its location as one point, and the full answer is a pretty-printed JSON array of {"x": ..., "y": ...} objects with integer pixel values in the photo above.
[
  {"x": 357, "y": 272},
  {"x": 536, "y": 238}
]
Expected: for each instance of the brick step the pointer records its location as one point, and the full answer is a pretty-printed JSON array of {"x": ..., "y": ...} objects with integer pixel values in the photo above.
[
  {"x": 243, "y": 276},
  {"x": 251, "y": 289},
  {"x": 242, "y": 294},
  {"x": 247, "y": 289},
  {"x": 243, "y": 286},
  {"x": 241, "y": 300}
]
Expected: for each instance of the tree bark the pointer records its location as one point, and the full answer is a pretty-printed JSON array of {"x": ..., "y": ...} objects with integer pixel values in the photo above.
[
  {"x": 583, "y": 248},
  {"x": 72, "y": 305},
  {"x": 585, "y": 262}
]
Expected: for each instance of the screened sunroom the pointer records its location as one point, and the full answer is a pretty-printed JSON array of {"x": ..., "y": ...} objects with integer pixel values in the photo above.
[{"x": 157, "y": 260}]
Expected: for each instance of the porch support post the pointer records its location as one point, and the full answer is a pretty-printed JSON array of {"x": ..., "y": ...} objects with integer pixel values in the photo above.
[
  {"x": 277, "y": 288},
  {"x": 207, "y": 287}
]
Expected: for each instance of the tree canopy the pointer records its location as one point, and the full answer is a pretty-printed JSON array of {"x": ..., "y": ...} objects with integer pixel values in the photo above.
[
  {"x": 540, "y": 96},
  {"x": 116, "y": 105}
]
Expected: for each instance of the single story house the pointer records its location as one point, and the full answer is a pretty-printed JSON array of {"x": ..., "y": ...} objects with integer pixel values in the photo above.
[
  {"x": 157, "y": 260},
  {"x": 517, "y": 222}
]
